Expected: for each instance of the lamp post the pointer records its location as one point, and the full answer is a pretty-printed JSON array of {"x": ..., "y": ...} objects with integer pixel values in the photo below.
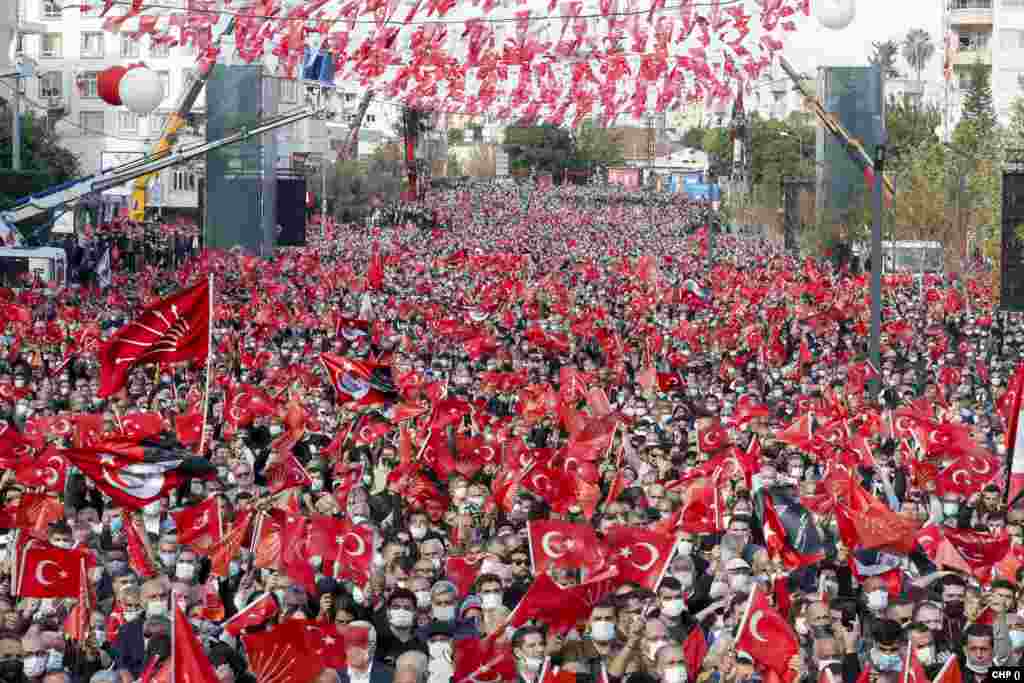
[{"x": 25, "y": 68}]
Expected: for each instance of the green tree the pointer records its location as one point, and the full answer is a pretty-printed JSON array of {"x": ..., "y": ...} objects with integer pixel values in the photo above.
[
  {"x": 454, "y": 166},
  {"x": 597, "y": 146},
  {"x": 885, "y": 55},
  {"x": 918, "y": 50},
  {"x": 978, "y": 119},
  {"x": 908, "y": 125},
  {"x": 694, "y": 137},
  {"x": 544, "y": 148},
  {"x": 456, "y": 136}
]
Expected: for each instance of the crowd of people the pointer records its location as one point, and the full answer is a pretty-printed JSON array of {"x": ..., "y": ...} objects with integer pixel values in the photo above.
[{"x": 562, "y": 435}]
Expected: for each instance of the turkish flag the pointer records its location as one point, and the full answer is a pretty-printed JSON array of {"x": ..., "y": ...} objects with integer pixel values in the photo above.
[
  {"x": 201, "y": 525},
  {"x": 257, "y": 612},
  {"x": 355, "y": 553},
  {"x": 48, "y": 572},
  {"x": 138, "y": 557},
  {"x": 967, "y": 475},
  {"x": 701, "y": 512},
  {"x": 88, "y": 430},
  {"x": 287, "y": 474},
  {"x": 370, "y": 431},
  {"x": 244, "y": 403},
  {"x": 712, "y": 438},
  {"x": 766, "y": 635},
  {"x": 281, "y": 654},
  {"x": 641, "y": 554},
  {"x": 483, "y": 660},
  {"x": 36, "y": 511},
  {"x": 190, "y": 661},
  {"x": 140, "y": 426},
  {"x": 978, "y": 549},
  {"x": 375, "y": 271},
  {"x": 553, "y": 485},
  {"x": 463, "y": 570},
  {"x": 48, "y": 470},
  {"x": 563, "y": 608},
  {"x": 563, "y": 544},
  {"x": 189, "y": 428},
  {"x": 950, "y": 672},
  {"x": 227, "y": 547},
  {"x": 171, "y": 330}
]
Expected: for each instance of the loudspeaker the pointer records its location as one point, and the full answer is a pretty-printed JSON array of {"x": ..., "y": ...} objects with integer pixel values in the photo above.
[
  {"x": 291, "y": 211},
  {"x": 1012, "y": 255}
]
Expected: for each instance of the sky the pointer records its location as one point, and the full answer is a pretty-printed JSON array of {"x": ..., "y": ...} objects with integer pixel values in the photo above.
[{"x": 813, "y": 46}]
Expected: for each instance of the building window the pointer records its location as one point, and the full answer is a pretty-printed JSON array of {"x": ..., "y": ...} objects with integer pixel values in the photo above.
[
  {"x": 51, "y": 45},
  {"x": 183, "y": 181},
  {"x": 158, "y": 50},
  {"x": 92, "y": 44},
  {"x": 129, "y": 47},
  {"x": 91, "y": 123},
  {"x": 127, "y": 122},
  {"x": 51, "y": 84},
  {"x": 349, "y": 97},
  {"x": 370, "y": 118},
  {"x": 1011, "y": 39},
  {"x": 289, "y": 90},
  {"x": 87, "y": 85},
  {"x": 1013, "y": 4},
  {"x": 974, "y": 40},
  {"x": 51, "y": 9},
  {"x": 970, "y": 4}
]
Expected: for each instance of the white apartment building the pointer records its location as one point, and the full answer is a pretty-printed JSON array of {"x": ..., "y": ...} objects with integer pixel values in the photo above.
[
  {"x": 991, "y": 31},
  {"x": 71, "y": 49}
]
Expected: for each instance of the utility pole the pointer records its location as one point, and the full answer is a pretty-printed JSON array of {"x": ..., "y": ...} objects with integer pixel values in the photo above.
[{"x": 16, "y": 99}]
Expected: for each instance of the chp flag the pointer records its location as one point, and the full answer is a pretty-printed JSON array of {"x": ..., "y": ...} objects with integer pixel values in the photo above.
[
  {"x": 171, "y": 330},
  {"x": 135, "y": 474}
]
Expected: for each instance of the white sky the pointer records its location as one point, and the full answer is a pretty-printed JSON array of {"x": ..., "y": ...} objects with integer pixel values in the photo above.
[{"x": 813, "y": 46}]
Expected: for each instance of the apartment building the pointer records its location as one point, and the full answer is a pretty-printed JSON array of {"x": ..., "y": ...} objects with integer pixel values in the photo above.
[{"x": 992, "y": 32}]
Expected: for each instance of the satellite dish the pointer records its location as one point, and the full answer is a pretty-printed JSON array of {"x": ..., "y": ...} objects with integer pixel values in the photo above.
[{"x": 835, "y": 14}]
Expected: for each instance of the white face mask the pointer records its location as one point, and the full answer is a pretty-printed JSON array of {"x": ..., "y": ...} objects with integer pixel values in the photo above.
[
  {"x": 417, "y": 532},
  {"x": 34, "y": 666},
  {"x": 878, "y": 600},
  {"x": 423, "y": 599},
  {"x": 533, "y": 664},
  {"x": 685, "y": 578},
  {"x": 401, "y": 618},
  {"x": 490, "y": 600},
  {"x": 602, "y": 631},
  {"x": 156, "y": 608},
  {"x": 446, "y": 613},
  {"x": 685, "y": 547},
  {"x": 673, "y": 608},
  {"x": 739, "y": 582},
  {"x": 926, "y": 655},
  {"x": 675, "y": 674},
  {"x": 185, "y": 571}
]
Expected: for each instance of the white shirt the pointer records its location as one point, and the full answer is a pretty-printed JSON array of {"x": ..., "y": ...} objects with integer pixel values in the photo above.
[{"x": 360, "y": 676}]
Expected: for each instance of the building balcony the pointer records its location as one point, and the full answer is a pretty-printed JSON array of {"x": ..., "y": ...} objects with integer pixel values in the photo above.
[
  {"x": 969, "y": 57},
  {"x": 970, "y": 12}
]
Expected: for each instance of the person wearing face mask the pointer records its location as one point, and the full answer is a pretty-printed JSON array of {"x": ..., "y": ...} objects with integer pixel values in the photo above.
[
  {"x": 440, "y": 644},
  {"x": 11, "y": 661},
  {"x": 671, "y": 664},
  {"x": 33, "y": 658},
  {"x": 885, "y": 659},
  {"x": 528, "y": 648},
  {"x": 954, "y": 593},
  {"x": 923, "y": 642},
  {"x": 739, "y": 574},
  {"x": 397, "y": 627},
  {"x": 672, "y": 609},
  {"x": 129, "y": 649},
  {"x": 444, "y": 605},
  {"x": 954, "y": 513}
]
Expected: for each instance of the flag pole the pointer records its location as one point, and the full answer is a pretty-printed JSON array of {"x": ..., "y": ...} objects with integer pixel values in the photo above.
[{"x": 209, "y": 367}]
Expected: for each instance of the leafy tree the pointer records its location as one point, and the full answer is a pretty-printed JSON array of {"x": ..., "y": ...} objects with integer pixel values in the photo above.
[
  {"x": 885, "y": 55},
  {"x": 908, "y": 125},
  {"x": 694, "y": 137},
  {"x": 454, "y": 166},
  {"x": 1015, "y": 131},
  {"x": 978, "y": 120},
  {"x": 597, "y": 146},
  {"x": 918, "y": 50},
  {"x": 456, "y": 136},
  {"x": 544, "y": 148}
]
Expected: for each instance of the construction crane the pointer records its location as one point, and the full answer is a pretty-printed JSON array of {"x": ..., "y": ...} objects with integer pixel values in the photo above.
[
  {"x": 176, "y": 120},
  {"x": 70, "y": 192}
]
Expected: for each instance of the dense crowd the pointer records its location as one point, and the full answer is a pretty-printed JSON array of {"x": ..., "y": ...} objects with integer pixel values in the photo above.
[{"x": 546, "y": 434}]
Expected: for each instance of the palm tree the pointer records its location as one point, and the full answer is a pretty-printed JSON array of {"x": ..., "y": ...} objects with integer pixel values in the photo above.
[
  {"x": 918, "y": 50},
  {"x": 885, "y": 56}
]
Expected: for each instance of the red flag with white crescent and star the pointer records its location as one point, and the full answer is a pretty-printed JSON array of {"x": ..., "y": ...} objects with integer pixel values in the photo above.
[
  {"x": 138, "y": 557},
  {"x": 45, "y": 571},
  {"x": 171, "y": 330},
  {"x": 766, "y": 636},
  {"x": 563, "y": 544},
  {"x": 640, "y": 554},
  {"x": 1014, "y": 438},
  {"x": 199, "y": 525},
  {"x": 135, "y": 473},
  {"x": 256, "y": 613}
]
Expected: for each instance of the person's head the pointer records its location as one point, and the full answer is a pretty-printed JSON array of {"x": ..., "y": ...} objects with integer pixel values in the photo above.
[
  {"x": 402, "y": 609},
  {"x": 155, "y": 595},
  {"x": 11, "y": 657},
  {"x": 491, "y": 591},
  {"x": 978, "y": 647},
  {"x": 930, "y": 614},
  {"x": 528, "y": 647},
  {"x": 900, "y": 610},
  {"x": 1004, "y": 596},
  {"x": 655, "y": 637},
  {"x": 412, "y": 667},
  {"x": 923, "y": 642},
  {"x": 602, "y": 621},
  {"x": 670, "y": 598},
  {"x": 954, "y": 595},
  {"x": 360, "y": 644},
  {"x": 671, "y": 663},
  {"x": 444, "y": 600},
  {"x": 60, "y": 534},
  {"x": 886, "y": 655},
  {"x": 825, "y": 648},
  {"x": 33, "y": 655}
]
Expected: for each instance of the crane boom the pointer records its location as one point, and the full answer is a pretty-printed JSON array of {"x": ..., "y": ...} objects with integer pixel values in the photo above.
[
  {"x": 175, "y": 122},
  {"x": 56, "y": 197}
]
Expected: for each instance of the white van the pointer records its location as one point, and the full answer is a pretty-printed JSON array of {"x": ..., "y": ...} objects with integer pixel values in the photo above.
[{"x": 48, "y": 264}]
